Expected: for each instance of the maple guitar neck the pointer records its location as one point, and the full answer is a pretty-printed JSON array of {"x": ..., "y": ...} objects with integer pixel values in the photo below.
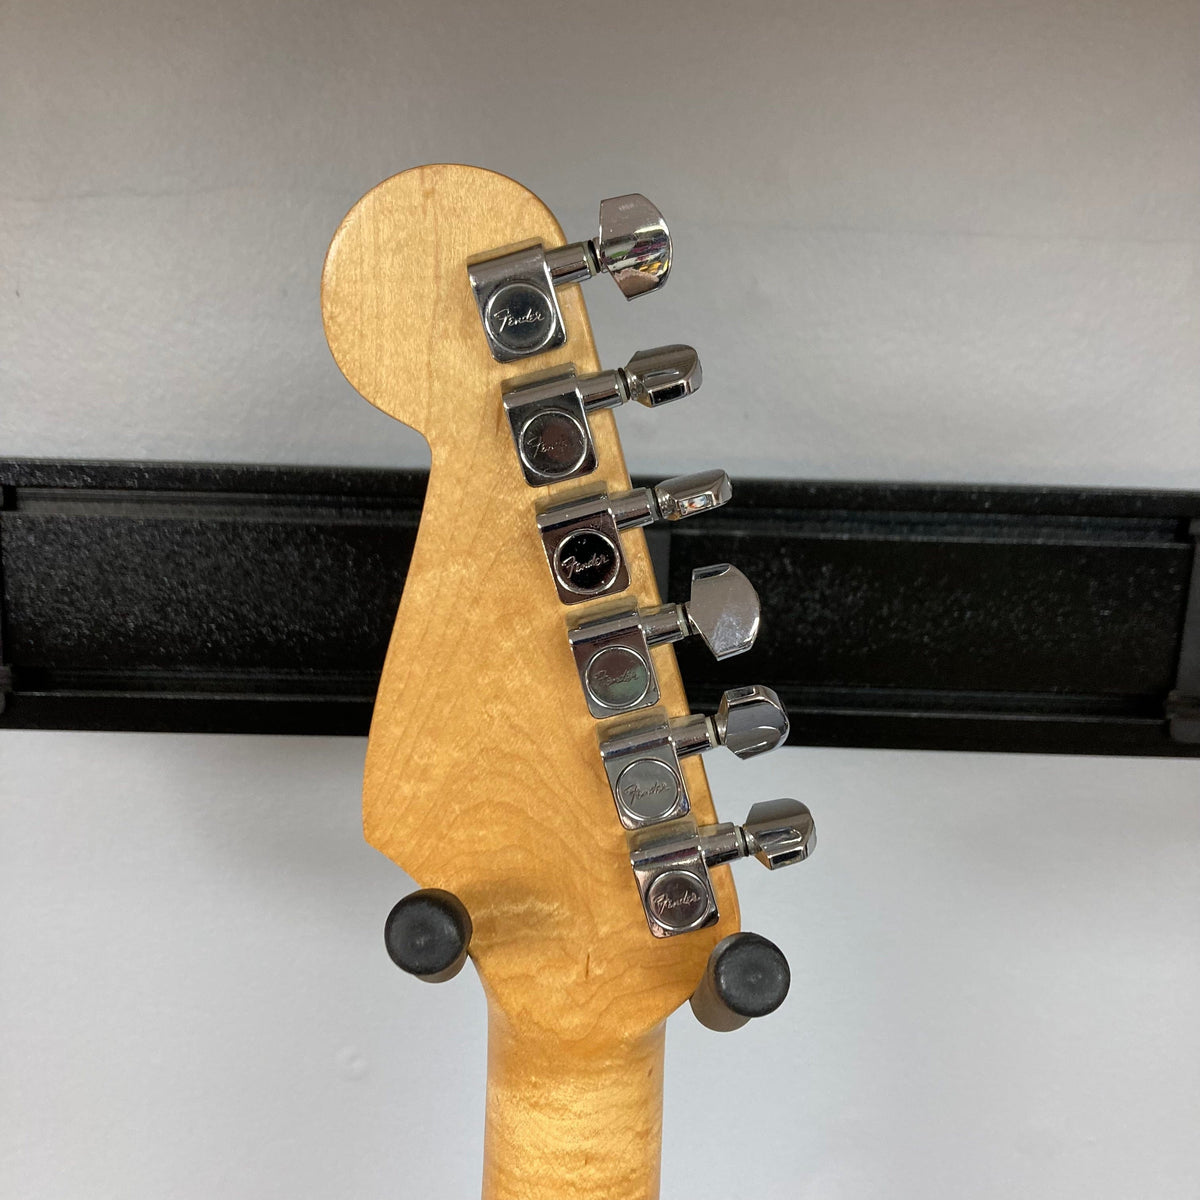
[
  {"x": 572, "y": 1119},
  {"x": 483, "y": 775}
]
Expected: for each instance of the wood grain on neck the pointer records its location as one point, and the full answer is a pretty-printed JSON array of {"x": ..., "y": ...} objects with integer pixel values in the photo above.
[{"x": 483, "y": 774}]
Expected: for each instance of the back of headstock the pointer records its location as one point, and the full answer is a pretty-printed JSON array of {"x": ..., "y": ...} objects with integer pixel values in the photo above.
[{"x": 484, "y": 773}]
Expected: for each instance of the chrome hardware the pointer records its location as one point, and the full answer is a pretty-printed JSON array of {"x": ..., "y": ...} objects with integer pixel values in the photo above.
[
  {"x": 658, "y": 376},
  {"x": 673, "y": 882},
  {"x": 634, "y": 245},
  {"x": 776, "y": 832},
  {"x": 671, "y": 863},
  {"x": 643, "y": 771},
  {"x": 686, "y": 495},
  {"x": 581, "y": 537},
  {"x": 642, "y": 763},
  {"x": 723, "y": 610},
  {"x": 515, "y": 288},
  {"x": 612, "y": 654},
  {"x": 747, "y": 977},
  {"x": 750, "y": 720},
  {"x": 548, "y": 411}
]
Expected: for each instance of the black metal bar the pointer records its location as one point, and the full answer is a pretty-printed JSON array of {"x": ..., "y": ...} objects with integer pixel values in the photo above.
[
  {"x": 1183, "y": 704},
  {"x": 205, "y": 597}
]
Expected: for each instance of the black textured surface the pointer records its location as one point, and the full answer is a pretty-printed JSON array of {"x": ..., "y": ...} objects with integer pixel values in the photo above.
[
  {"x": 260, "y": 599},
  {"x": 977, "y": 618},
  {"x": 749, "y": 974},
  {"x": 1183, "y": 704},
  {"x": 427, "y": 933},
  {"x": 201, "y": 597}
]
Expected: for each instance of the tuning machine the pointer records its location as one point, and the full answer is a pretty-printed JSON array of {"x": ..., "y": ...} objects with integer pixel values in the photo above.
[
  {"x": 548, "y": 411},
  {"x": 612, "y": 654},
  {"x": 671, "y": 863},
  {"x": 642, "y": 762},
  {"x": 515, "y": 288},
  {"x": 582, "y": 537}
]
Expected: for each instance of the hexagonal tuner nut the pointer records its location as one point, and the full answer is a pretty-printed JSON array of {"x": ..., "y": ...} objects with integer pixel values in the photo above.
[
  {"x": 751, "y": 720},
  {"x": 779, "y": 832},
  {"x": 724, "y": 611},
  {"x": 634, "y": 245}
]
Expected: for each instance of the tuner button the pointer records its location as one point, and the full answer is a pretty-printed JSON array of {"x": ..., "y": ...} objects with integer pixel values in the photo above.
[
  {"x": 779, "y": 832},
  {"x": 663, "y": 374},
  {"x": 516, "y": 292},
  {"x": 751, "y": 720},
  {"x": 686, "y": 495},
  {"x": 427, "y": 934},
  {"x": 634, "y": 245},
  {"x": 747, "y": 976},
  {"x": 612, "y": 654},
  {"x": 724, "y": 611}
]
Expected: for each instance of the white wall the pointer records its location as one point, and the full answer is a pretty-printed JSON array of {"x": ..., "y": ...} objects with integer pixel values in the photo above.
[{"x": 928, "y": 240}]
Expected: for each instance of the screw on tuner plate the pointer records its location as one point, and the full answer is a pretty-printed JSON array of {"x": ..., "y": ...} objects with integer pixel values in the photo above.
[
  {"x": 548, "y": 411},
  {"x": 428, "y": 934},
  {"x": 642, "y": 761},
  {"x": 670, "y": 863},
  {"x": 612, "y": 654},
  {"x": 582, "y": 537},
  {"x": 515, "y": 288},
  {"x": 747, "y": 976}
]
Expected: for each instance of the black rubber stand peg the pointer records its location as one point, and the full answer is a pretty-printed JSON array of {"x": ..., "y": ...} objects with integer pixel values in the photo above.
[
  {"x": 428, "y": 934},
  {"x": 747, "y": 976}
]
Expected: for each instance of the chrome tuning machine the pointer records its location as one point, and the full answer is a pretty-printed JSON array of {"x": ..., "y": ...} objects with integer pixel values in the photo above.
[
  {"x": 548, "y": 411},
  {"x": 514, "y": 288},
  {"x": 581, "y": 538},
  {"x": 642, "y": 762},
  {"x": 612, "y": 654},
  {"x": 671, "y": 863}
]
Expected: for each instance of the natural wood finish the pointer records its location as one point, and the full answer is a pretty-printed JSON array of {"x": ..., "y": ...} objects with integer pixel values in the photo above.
[{"x": 483, "y": 774}]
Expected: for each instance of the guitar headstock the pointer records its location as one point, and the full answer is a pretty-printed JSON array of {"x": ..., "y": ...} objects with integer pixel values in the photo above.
[{"x": 484, "y": 773}]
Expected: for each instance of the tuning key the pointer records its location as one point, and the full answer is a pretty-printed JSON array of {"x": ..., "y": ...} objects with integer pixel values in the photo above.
[
  {"x": 676, "y": 498},
  {"x": 515, "y": 289},
  {"x": 428, "y": 934},
  {"x": 749, "y": 720},
  {"x": 548, "y": 411},
  {"x": 671, "y": 863},
  {"x": 612, "y": 654},
  {"x": 581, "y": 538},
  {"x": 642, "y": 762},
  {"x": 776, "y": 832}
]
